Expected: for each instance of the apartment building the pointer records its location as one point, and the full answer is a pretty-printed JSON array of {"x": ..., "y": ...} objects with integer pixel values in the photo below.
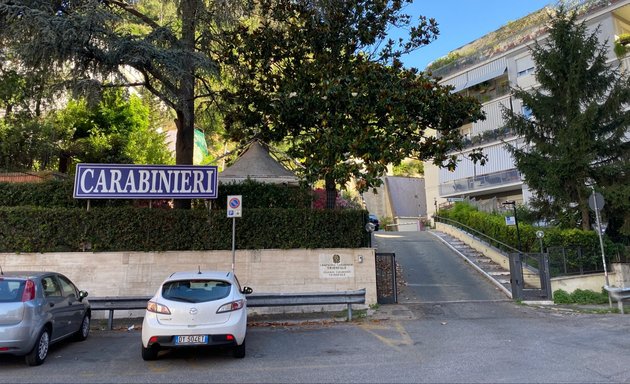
[{"x": 487, "y": 69}]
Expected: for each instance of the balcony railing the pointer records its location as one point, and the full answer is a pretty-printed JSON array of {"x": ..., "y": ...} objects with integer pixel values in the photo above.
[{"x": 474, "y": 183}]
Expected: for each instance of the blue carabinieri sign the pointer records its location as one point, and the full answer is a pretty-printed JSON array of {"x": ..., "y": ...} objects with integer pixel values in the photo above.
[{"x": 121, "y": 181}]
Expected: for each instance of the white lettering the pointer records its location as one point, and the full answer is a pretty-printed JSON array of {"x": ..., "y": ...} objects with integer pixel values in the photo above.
[
  {"x": 210, "y": 173},
  {"x": 198, "y": 181},
  {"x": 101, "y": 182},
  {"x": 185, "y": 182},
  {"x": 154, "y": 180},
  {"x": 83, "y": 188},
  {"x": 143, "y": 183},
  {"x": 115, "y": 181},
  {"x": 176, "y": 181},
  {"x": 131, "y": 182},
  {"x": 165, "y": 178}
]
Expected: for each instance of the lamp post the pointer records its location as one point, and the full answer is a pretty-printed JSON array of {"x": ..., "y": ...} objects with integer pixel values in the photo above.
[{"x": 518, "y": 232}]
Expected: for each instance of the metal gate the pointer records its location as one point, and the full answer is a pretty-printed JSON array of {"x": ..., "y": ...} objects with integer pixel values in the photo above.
[
  {"x": 386, "y": 291},
  {"x": 530, "y": 277}
]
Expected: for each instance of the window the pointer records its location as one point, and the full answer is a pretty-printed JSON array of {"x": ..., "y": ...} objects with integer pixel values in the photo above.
[
  {"x": 196, "y": 291},
  {"x": 51, "y": 287},
  {"x": 68, "y": 288},
  {"x": 11, "y": 290},
  {"x": 526, "y": 112},
  {"x": 525, "y": 72}
]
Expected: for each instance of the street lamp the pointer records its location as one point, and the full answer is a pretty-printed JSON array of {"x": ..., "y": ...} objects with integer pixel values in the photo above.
[{"x": 518, "y": 232}]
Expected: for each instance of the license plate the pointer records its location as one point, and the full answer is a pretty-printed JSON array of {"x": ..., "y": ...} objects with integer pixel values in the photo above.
[{"x": 192, "y": 339}]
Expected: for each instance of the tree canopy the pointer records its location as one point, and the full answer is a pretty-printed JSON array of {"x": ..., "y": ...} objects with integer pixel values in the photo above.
[
  {"x": 323, "y": 77},
  {"x": 320, "y": 76},
  {"x": 577, "y": 135},
  {"x": 164, "y": 46}
]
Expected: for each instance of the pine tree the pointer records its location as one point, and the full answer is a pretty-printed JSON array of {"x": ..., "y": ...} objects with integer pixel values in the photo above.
[{"x": 577, "y": 134}]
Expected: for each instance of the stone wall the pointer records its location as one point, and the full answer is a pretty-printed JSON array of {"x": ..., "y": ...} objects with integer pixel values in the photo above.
[{"x": 266, "y": 271}]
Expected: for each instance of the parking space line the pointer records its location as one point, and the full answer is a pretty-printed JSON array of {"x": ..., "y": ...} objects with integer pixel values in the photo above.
[{"x": 377, "y": 330}]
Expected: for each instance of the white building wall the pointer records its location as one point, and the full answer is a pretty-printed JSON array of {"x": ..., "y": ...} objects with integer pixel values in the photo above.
[{"x": 521, "y": 73}]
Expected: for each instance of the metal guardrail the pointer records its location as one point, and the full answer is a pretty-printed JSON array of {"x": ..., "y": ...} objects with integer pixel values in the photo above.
[
  {"x": 315, "y": 298},
  {"x": 619, "y": 294},
  {"x": 117, "y": 303}
]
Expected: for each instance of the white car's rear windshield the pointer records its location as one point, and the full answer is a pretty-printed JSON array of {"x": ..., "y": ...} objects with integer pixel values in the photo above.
[
  {"x": 11, "y": 290},
  {"x": 196, "y": 291}
]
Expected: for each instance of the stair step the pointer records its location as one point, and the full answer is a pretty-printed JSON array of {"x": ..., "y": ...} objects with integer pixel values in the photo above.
[{"x": 499, "y": 273}]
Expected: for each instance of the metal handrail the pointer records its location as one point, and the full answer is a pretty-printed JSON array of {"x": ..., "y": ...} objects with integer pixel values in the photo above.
[{"x": 483, "y": 235}]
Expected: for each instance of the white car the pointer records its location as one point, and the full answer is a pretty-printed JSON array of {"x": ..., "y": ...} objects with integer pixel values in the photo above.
[{"x": 196, "y": 309}]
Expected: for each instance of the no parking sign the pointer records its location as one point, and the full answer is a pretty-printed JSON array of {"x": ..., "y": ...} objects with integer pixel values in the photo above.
[{"x": 234, "y": 206}]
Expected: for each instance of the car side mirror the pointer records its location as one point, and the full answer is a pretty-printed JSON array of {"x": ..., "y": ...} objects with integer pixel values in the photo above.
[
  {"x": 247, "y": 290},
  {"x": 82, "y": 295}
]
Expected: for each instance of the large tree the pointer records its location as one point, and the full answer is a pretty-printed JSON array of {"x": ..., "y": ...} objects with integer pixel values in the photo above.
[
  {"x": 322, "y": 76},
  {"x": 577, "y": 133},
  {"x": 168, "y": 44},
  {"x": 115, "y": 130}
]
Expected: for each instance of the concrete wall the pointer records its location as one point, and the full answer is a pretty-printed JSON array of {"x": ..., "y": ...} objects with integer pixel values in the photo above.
[
  {"x": 620, "y": 276},
  {"x": 266, "y": 271},
  {"x": 594, "y": 282}
]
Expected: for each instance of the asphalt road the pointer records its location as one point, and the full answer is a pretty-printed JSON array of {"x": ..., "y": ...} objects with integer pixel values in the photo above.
[
  {"x": 432, "y": 272},
  {"x": 456, "y": 342},
  {"x": 441, "y": 336}
]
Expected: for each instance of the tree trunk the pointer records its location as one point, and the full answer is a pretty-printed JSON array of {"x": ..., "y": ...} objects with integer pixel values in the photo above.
[
  {"x": 184, "y": 146},
  {"x": 331, "y": 193},
  {"x": 586, "y": 218},
  {"x": 185, "y": 121},
  {"x": 64, "y": 162}
]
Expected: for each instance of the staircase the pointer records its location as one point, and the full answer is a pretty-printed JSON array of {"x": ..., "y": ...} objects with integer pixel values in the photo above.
[{"x": 493, "y": 271}]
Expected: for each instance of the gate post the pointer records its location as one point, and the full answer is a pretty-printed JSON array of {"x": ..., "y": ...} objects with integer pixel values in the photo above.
[
  {"x": 386, "y": 289},
  {"x": 516, "y": 275},
  {"x": 545, "y": 275}
]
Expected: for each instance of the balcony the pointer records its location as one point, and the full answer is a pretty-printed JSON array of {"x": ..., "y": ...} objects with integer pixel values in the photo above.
[{"x": 473, "y": 184}]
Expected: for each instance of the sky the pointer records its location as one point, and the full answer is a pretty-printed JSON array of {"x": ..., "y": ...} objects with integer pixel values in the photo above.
[{"x": 462, "y": 21}]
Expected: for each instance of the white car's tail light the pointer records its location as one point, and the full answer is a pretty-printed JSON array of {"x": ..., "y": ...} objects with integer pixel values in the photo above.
[
  {"x": 29, "y": 291},
  {"x": 232, "y": 306},
  {"x": 152, "y": 306}
]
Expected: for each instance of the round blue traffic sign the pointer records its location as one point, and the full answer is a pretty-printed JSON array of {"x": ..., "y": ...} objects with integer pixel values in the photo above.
[{"x": 234, "y": 203}]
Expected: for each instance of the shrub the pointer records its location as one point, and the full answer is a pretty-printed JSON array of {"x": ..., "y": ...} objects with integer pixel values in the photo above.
[
  {"x": 562, "y": 297},
  {"x": 29, "y": 229},
  {"x": 580, "y": 296}
]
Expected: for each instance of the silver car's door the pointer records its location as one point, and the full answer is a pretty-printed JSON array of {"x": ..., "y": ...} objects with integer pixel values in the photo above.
[
  {"x": 57, "y": 305},
  {"x": 76, "y": 308}
]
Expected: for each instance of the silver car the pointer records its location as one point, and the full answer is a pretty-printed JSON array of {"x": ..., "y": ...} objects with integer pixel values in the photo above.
[{"x": 38, "y": 309}]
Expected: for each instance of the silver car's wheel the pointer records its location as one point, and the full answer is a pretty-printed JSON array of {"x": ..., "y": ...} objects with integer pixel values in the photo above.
[
  {"x": 84, "y": 331},
  {"x": 40, "y": 350}
]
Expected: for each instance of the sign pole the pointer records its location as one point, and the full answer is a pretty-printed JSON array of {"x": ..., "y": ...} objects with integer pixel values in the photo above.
[
  {"x": 234, "y": 210},
  {"x": 595, "y": 206},
  {"x": 233, "y": 243},
  {"x": 601, "y": 244}
]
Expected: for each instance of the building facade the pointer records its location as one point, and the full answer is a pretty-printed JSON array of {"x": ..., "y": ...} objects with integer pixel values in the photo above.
[{"x": 487, "y": 69}]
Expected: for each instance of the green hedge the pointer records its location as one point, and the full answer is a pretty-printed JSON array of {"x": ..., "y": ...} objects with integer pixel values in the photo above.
[
  {"x": 54, "y": 193},
  {"x": 493, "y": 225},
  {"x": 29, "y": 229},
  {"x": 58, "y": 193},
  {"x": 581, "y": 248},
  {"x": 580, "y": 296}
]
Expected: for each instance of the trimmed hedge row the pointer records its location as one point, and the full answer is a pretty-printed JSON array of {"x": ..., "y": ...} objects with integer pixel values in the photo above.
[
  {"x": 58, "y": 193},
  {"x": 493, "y": 225},
  {"x": 33, "y": 229}
]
